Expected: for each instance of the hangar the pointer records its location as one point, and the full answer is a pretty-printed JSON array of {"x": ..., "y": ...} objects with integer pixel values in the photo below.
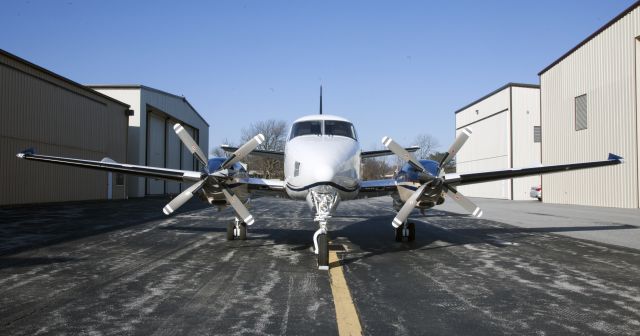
[
  {"x": 589, "y": 107},
  {"x": 56, "y": 116},
  {"x": 506, "y": 134},
  {"x": 152, "y": 140}
]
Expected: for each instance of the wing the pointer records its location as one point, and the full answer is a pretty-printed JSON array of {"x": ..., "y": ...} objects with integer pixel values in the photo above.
[
  {"x": 376, "y": 153},
  {"x": 109, "y": 165},
  {"x": 262, "y": 187},
  {"x": 263, "y": 153},
  {"x": 377, "y": 188},
  {"x": 470, "y": 178}
]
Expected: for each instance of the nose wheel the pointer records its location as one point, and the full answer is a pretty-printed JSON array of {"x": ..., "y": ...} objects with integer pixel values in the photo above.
[
  {"x": 406, "y": 230},
  {"x": 322, "y": 250},
  {"x": 237, "y": 229}
]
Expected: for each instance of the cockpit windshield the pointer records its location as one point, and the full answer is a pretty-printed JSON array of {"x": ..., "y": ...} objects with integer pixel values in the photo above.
[
  {"x": 313, "y": 127},
  {"x": 326, "y": 127},
  {"x": 340, "y": 128}
]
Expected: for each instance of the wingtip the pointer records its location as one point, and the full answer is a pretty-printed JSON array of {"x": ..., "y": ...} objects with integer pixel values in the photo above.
[
  {"x": 28, "y": 151},
  {"x": 615, "y": 157}
]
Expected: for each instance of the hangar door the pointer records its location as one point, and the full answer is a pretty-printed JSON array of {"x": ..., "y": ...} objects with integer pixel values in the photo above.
[{"x": 164, "y": 149}]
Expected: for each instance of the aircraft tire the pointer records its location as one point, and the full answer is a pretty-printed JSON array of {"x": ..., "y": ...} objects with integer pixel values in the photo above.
[
  {"x": 243, "y": 231},
  {"x": 230, "y": 228},
  {"x": 398, "y": 234},
  {"x": 323, "y": 250},
  {"x": 412, "y": 231}
]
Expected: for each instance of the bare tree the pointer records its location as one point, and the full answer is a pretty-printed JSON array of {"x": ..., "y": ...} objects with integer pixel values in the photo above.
[
  {"x": 275, "y": 134},
  {"x": 449, "y": 167},
  {"x": 427, "y": 143},
  {"x": 374, "y": 168}
]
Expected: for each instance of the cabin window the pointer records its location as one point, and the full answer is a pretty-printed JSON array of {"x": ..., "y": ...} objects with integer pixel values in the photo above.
[
  {"x": 339, "y": 128},
  {"x": 313, "y": 127}
]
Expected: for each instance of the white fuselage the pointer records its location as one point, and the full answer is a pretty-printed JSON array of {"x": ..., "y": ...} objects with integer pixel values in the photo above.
[{"x": 322, "y": 161}]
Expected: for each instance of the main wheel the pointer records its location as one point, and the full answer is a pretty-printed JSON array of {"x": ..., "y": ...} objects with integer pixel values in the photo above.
[
  {"x": 230, "y": 227},
  {"x": 412, "y": 231},
  {"x": 399, "y": 233},
  {"x": 243, "y": 231},
  {"x": 323, "y": 251}
]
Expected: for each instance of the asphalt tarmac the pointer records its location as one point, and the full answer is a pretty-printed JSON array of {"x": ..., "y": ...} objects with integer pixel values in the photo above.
[{"x": 121, "y": 267}]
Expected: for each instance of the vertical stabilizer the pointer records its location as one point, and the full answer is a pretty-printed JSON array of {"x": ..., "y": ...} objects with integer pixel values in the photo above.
[{"x": 320, "y": 99}]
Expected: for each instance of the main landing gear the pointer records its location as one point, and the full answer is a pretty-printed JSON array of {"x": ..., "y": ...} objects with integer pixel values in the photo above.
[
  {"x": 237, "y": 229},
  {"x": 406, "y": 230}
]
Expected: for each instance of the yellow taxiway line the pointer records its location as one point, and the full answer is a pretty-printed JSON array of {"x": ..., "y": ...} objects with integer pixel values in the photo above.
[{"x": 346, "y": 314}]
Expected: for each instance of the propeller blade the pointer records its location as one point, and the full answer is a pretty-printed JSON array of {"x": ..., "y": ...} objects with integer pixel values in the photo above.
[
  {"x": 182, "y": 198},
  {"x": 464, "y": 202},
  {"x": 408, "y": 206},
  {"x": 237, "y": 205},
  {"x": 455, "y": 147},
  {"x": 188, "y": 141},
  {"x": 243, "y": 151},
  {"x": 402, "y": 153}
]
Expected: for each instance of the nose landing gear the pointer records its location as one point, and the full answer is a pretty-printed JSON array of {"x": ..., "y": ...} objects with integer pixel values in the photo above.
[{"x": 324, "y": 202}]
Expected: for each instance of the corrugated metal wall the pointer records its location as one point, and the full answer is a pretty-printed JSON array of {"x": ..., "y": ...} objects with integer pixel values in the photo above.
[
  {"x": 164, "y": 146},
  {"x": 526, "y": 153},
  {"x": 488, "y": 148},
  {"x": 57, "y": 118},
  {"x": 605, "y": 70}
]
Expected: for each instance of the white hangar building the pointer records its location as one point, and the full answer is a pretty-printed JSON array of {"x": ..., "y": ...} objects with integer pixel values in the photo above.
[
  {"x": 152, "y": 140},
  {"x": 589, "y": 107},
  {"x": 506, "y": 134}
]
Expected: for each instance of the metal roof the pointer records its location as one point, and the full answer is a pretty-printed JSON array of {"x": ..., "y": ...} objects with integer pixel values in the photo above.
[
  {"x": 530, "y": 86},
  {"x": 591, "y": 37}
]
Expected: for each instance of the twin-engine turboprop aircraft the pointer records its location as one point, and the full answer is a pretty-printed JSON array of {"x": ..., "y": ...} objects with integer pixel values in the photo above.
[{"x": 322, "y": 167}]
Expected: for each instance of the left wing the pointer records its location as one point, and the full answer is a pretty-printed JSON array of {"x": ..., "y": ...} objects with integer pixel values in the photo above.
[
  {"x": 385, "y": 152},
  {"x": 377, "y": 188},
  {"x": 470, "y": 178}
]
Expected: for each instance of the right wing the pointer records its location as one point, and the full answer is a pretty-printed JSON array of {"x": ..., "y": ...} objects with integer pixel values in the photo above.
[
  {"x": 109, "y": 165},
  {"x": 264, "y": 153}
]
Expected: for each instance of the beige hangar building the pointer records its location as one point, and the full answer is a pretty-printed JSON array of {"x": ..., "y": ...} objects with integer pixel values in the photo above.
[
  {"x": 151, "y": 138},
  {"x": 56, "y": 116},
  {"x": 589, "y": 108},
  {"x": 506, "y": 134}
]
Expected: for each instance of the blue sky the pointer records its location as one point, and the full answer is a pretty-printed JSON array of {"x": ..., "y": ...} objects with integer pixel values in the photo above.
[{"x": 397, "y": 68}]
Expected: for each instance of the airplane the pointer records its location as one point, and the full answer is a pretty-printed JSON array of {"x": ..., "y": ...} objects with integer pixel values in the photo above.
[{"x": 321, "y": 159}]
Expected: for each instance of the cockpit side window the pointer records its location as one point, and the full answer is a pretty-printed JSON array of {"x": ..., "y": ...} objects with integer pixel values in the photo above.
[
  {"x": 313, "y": 127},
  {"x": 339, "y": 128}
]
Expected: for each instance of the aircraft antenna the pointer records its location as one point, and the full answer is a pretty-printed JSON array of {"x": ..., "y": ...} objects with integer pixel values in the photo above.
[{"x": 320, "y": 99}]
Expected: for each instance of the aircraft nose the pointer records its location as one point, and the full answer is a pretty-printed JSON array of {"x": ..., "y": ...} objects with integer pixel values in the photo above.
[{"x": 324, "y": 173}]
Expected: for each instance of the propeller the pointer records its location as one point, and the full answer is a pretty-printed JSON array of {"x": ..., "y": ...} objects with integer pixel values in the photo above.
[
  {"x": 429, "y": 180},
  {"x": 218, "y": 175}
]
